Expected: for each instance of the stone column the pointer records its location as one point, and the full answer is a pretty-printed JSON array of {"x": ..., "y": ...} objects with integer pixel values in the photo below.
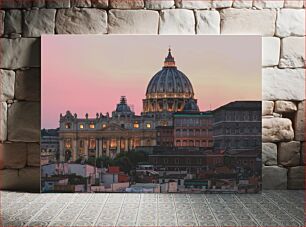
[
  {"x": 100, "y": 147},
  {"x": 126, "y": 144},
  {"x": 107, "y": 147},
  {"x": 62, "y": 150},
  {"x": 118, "y": 145},
  {"x": 74, "y": 150},
  {"x": 86, "y": 148},
  {"x": 97, "y": 147}
]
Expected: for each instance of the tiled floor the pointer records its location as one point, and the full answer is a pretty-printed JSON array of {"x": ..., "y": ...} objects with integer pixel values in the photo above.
[{"x": 271, "y": 208}]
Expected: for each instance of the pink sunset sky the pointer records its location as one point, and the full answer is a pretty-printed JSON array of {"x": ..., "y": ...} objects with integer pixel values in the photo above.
[{"x": 89, "y": 73}]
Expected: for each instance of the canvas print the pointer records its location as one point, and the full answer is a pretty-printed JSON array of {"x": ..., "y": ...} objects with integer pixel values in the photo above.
[{"x": 151, "y": 114}]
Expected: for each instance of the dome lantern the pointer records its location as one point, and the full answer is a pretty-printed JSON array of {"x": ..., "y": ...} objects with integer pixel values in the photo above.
[{"x": 169, "y": 60}]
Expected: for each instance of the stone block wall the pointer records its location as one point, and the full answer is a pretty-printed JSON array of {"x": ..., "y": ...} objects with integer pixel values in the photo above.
[{"x": 280, "y": 22}]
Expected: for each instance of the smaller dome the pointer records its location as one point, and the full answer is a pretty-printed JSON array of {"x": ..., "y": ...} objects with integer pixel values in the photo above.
[
  {"x": 191, "y": 106},
  {"x": 123, "y": 106}
]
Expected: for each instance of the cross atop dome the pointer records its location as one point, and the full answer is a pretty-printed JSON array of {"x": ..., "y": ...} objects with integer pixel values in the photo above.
[{"x": 169, "y": 60}]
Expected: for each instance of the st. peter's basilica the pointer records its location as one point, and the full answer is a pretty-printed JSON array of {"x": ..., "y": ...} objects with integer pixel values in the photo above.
[{"x": 169, "y": 111}]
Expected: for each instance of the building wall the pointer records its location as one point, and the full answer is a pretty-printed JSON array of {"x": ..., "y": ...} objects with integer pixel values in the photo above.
[
  {"x": 237, "y": 128},
  {"x": 193, "y": 130},
  {"x": 281, "y": 23}
]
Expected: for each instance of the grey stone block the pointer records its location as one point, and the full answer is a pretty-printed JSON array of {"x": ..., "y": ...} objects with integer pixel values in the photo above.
[
  {"x": 274, "y": 177},
  {"x": 13, "y": 21},
  {"x": 39, "y": 22},
  {"x": 19, "y": 53},
  {"x": 15, "y": 4},
  {"x": 178, "y": 21},
  {"x": 13, "y": 155},
  {"x": 27, "y": 86},
  {"x": 296, "y": 177},
  {"x": 81, "y": 21},
  {"x": 24, "y": 122},
  {"x": 2, "y": 15},
  {"x": 3, "y": 121},
  {"x": 33, "y": 157},
  {"x": 299, "y": 122},
  {"x": 159, "y": 4},
  {"x": 57, "y": 4},
  {"x": 269, "y": 154},
  {"x": 133, "y": 21},
  {"x": 39, "y": 3},
  {"x": 27, "y": 179},
  {"x": 126, "y": 4},
  {"x": 80, "y": 3},
  {"x": 103, "y": 4},
  {"x": 289, "y": 153},
  {"x": 7, "y": 85}
]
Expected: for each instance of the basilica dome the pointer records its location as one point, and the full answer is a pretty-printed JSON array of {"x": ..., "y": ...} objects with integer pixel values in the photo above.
[
  {"x": 169, "y": 82},
  {"x": 168, "y": 90}
]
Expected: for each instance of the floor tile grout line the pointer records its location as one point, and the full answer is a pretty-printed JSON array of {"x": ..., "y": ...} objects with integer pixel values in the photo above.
[
  {"x": 279, "y": 196},
  {"x": 68, "y": 203},
  {"x": 138, "y": 210},
  {"x": 100, "y": 213},
  {"x": 100, "y": 210},
  {"x": 263, "y": 209},
  {"x": 230, "y": 211},
  {"x": 38, "y": 213},
  {"x": 156, "y": 210},
  {"x": 273, "y": 202},
  {"x": 136, "y": 224},
  {"x": 120, "y": 209},
  {"x": 209, "y": 207},
  {"x": 269, "y": 214},
  {"x": 22, "y": 197},
  {"x": 206, "y": 209},
  {"x": 175, "y": 211},
  {"x": 249, "y": 212},
  {"x": 78, "y": 215},
  {"x": 194, "y": 215}
]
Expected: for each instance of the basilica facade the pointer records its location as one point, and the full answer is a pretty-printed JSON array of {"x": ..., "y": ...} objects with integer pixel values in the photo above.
[{"x": 168, "y": 93}]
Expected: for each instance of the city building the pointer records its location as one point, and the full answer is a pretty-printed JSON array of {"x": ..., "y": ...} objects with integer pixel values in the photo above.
[
  {"x": 237, "y": 125},
  {"x": 171, "y": 146},
  {"x": 189, "y": 159},
  {"x": 193, "y": 128},
  {"x": 167, "y": 93},
  {"x": 164, "y": 136},
  {"x": 49, "y": 146}
]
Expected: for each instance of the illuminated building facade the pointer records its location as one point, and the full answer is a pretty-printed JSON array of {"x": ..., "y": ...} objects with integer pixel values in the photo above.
[{"x": 168, "y": 92}]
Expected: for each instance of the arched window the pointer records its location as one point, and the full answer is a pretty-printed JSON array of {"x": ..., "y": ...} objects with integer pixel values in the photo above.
[
  {"x": 191, "y": 143},
  {"x": 184, "y": 143},
  {"x": 197, "y": 143},
  {"x": 92, "y": 143}
]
